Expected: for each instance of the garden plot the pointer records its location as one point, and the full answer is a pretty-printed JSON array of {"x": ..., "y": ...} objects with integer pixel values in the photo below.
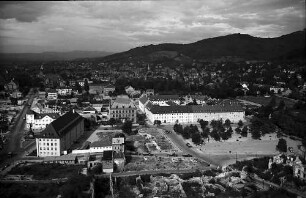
[{"x": 157, "y": 141}]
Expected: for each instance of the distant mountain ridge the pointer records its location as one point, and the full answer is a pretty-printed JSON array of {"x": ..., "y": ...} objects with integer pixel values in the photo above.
[
  {"x": 241, "y": 46},
  {"x": 51, "y": 56}
]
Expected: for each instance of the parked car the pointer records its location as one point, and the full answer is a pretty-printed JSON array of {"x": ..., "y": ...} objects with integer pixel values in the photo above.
[{"x": 188, "y": 144}]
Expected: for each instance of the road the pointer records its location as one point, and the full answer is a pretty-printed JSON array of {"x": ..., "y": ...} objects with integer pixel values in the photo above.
[
  {"x": 179, "y": 141},
  {"x": 14, "y": 143}
]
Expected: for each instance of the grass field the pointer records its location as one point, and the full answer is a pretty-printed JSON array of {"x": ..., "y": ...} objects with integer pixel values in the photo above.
[{"x": 265, "y": 100}]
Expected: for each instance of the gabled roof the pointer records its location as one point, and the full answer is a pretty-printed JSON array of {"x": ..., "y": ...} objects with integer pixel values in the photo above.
[
  {"x": 51, "y": 115},
  {"x": 63, "y": 124},
  {"x": 89, "y": 109},
  {"x": 156, "y": 109},
  {"x": 164, "y": 97}
]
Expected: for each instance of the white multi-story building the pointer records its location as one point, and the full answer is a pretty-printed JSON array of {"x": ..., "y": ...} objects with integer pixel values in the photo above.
[
  {"x": 48, "y": 147},
  {"x": 38, "y": 122},
  {"x": 191, "y": 113}
]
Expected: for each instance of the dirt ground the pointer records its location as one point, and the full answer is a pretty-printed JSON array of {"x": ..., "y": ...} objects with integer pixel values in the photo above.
[{"x": 139, "y": 163}]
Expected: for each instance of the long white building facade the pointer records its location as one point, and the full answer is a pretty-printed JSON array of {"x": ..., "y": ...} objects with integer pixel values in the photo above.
[{"x": 191, "y": 113}]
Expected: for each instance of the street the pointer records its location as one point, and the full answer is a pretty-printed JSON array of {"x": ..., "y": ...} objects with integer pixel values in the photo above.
[
  {"x": 179, "y": 141},
  {"x": 14, "y": 143}
]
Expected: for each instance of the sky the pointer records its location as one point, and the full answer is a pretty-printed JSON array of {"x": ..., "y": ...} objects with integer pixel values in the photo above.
[{"x": 115, "y": 26}]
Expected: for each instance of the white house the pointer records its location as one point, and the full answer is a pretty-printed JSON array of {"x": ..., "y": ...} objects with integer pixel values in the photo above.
[{"x": 39, "y": 122}]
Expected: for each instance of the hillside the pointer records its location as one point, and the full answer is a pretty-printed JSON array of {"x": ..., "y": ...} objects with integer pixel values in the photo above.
[
  {"x": 234, "y": 46},
  {"x": 50, "y": 56}
]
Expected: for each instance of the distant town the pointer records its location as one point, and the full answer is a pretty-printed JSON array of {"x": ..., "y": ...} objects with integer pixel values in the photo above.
[{"x": 138, "y": 128}]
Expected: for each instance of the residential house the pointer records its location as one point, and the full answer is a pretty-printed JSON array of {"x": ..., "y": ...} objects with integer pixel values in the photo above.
[{"x": 38, "y": 122}]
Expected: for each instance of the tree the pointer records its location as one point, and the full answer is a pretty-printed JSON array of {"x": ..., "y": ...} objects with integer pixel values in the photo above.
[
  {"x": 86, "y": 86},
  {"x": 244, "y": 132},
  {"x": 229, "y": 132},
  {"x": 282, "y": 145},
  {"x": 255, "y": 133},
  {"x": 227, "y": 123},
  {"x": 157, "y": 122},
  {"x": 186, "y": 132},
  {"x": 178, "y": 128},
  {"x": 112, "y": 121},
  {"x": 240, "y": 123},
  {"x": 127, "y": 127},
  {"x": 238, "y": 130},
  {"x": 205, "y": 132},
  {"x": 203, "y": 124},
  {"x": 215, "y": 135},
  {"x": 196, "y": 138}
]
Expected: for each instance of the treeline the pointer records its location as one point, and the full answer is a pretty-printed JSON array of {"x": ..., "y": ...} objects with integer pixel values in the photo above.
[
  {"x": 218, "y": 130},
  {"x": 290, "y": 120}
]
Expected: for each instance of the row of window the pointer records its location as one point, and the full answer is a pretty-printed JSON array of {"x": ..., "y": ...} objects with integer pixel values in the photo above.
[
  {"x": 47, "y": 144},
  {"x": 47, "y": 148},
  {"x": 47, "y": 153},
  {"x": 123, "y": 111}
]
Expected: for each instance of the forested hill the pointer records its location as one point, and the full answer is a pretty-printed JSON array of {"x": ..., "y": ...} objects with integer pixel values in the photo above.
[
  {"x": 236, "y": 46},
  {"x": 50, "y": 56}
]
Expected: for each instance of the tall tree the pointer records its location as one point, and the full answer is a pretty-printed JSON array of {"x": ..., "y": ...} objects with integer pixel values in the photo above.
[
  {"x": 86, "y": 86},
  {"x": 240, "y": 123},
  {"x": 282, "y": 145},
  {"x": 196, "y": 138},
  {"x": 127, "y": 127}
]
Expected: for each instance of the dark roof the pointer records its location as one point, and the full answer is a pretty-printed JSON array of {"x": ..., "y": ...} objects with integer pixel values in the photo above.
[
  {"x": 101, "y": 143},
  {"x": 164, "y": 97},
  {"x": 63, "y": 124},
  {"x": 156, "y": 109},
  {"x": 143, "y": 99},
  {"x": 107, "y": 155},
  {"x": 51, "y": 115}
]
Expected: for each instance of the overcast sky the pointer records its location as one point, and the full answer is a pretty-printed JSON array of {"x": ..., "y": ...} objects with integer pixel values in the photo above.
[{"x": 115, "y": 26}]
